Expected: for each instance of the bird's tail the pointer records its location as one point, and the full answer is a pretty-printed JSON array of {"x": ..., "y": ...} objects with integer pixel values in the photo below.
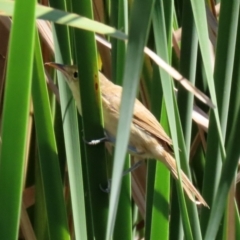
[{"x": 188, "y": 187}]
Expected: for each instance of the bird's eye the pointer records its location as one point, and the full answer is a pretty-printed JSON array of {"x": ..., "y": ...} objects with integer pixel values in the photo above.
[{"x": 75, "y": 74}]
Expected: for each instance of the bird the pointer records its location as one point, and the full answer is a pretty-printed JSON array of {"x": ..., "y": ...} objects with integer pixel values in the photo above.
[{"x": 147, "y": 140}]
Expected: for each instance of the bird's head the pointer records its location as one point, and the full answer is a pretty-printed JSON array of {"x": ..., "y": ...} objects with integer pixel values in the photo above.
[
  {"x": 71, "y": 75},
  {"x": 69, "y": 71}
]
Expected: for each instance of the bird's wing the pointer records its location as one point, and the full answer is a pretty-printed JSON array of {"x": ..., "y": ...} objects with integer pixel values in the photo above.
[
  {"x": 142, "y": 117},
  {"x": 145, "y": 119}
]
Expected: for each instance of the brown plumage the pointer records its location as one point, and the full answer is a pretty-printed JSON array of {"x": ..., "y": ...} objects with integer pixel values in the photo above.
[{"x": 147, "y": 137}]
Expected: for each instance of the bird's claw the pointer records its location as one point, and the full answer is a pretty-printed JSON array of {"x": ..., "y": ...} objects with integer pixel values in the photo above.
[{"x": 108, "y": 188}]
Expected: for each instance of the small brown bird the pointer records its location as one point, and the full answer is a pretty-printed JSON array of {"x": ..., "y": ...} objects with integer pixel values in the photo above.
[{"x": 147, "y": 138}]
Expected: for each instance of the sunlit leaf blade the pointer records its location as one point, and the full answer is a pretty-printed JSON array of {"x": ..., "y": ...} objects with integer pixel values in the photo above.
[
  {"x": 133, "y": 63},
  {"x": 228, "y": 77},
  {"x": 75, "y": 164},
  {"x": 15, "y": 117},
  {"x": 86, "y": 59},
  {"x": 48, "y": 157},
  {"x": 61, "y": 17}
]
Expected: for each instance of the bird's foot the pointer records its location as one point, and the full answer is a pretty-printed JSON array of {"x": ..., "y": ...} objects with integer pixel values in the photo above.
[
  {"x": 108, "y": 188},
  {"x": 97, "y": 141}
]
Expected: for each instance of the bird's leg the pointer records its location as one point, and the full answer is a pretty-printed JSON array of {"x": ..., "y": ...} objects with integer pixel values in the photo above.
[{"x": 134, "y": 166}]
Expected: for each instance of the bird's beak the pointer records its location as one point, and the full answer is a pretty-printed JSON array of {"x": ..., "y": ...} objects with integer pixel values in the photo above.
[
  {"x": 60, "y": 67},
  {"x": 57, "y": 66}
]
